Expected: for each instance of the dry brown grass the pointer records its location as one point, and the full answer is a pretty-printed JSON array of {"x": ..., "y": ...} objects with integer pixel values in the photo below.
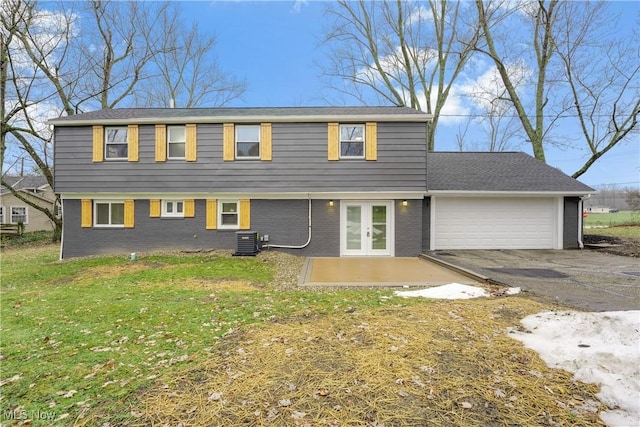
[{"x": 430, "y": 363}]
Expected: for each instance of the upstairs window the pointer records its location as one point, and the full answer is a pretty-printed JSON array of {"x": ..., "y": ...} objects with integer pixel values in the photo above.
[
  {"x": 352, "y": 141},
  {"x": 1, "y": 214},
  {"x": 248, "y": 142},
  {"x": 176, "y": 142},
  {"x": 116, "y": 144}
]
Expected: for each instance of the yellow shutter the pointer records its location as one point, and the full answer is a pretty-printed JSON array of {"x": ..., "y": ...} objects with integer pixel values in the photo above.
[
  {"x": 133, "y": 150},
  {"x": 129, "y": 213},
  {"x": 85, "y": 214},
  {"x": 245, "y": 214},
  {"x": 212, "y": 214},
  {"x": 98, "y": 143},
  {"x": 154, "y": 208},
  {"x": 334, "y": 141},
  {"x": 161, "y": 143},
  {"x": 189, "y": 208},
  {"x": 228, "y": 145},
  {"x": 191, "y": 150},
  {"x": 265, "y": 141},
  {"x": 371, "y": 141}
]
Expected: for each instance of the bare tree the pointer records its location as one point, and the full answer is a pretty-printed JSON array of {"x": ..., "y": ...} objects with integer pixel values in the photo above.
[
  {"x": 23, "y": 97},
  {"x": 52, "y": 66},
  {"x": 187, "y": 73},
  {"x": 401, "y": 51},
  {"x": 491, "y": 112},
  {"x": 579, "y": 72}
]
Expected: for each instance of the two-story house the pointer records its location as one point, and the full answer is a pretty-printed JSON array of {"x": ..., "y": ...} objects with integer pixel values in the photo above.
[{"x": 319, "y": 181}]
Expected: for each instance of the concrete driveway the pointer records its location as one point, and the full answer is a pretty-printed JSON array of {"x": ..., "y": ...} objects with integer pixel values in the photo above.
[{"x": 583, "y": 279}]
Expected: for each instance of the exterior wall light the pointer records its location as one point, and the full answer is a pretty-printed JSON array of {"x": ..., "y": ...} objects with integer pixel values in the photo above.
[
  {"x": 405, "y": 203},
  {"x": 331, "y": 203}
]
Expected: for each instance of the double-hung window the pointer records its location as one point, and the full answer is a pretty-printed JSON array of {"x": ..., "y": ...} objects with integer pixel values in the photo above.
[
  {"x": 247, "y": 141},
  {"x": 229, "y": 214},
  {"x": 1, "y": 214},
  {"x": 116, "y": 143},
  {"x": 176, "y": 142},
  {"x": 19, "y": 214},
  {"x": 109, "y": 214},
  {"x": 173, "y": 208},
  {"x": 352, "y": 140}
]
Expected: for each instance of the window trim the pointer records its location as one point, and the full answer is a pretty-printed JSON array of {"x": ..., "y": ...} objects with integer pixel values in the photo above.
[
  {"x": 106, "y": 144},
  {"x": 26, "y": 214},
  {"x": 364, "y": 141},
  {"x": 164, "y": 211},
  {"x": 259, "y": 129},
  {"x": 168, "y": 132},
  {"x": 110, "y": 203},
  {"x": 222, "y": 226}
]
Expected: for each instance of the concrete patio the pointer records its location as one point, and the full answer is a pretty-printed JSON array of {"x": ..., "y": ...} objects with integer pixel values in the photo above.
[{"x": 369, "y": 271}]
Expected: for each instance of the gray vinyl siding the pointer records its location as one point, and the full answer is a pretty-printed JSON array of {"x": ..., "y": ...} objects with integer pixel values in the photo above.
[
  {"x": 299, "y": 163},
  {"x": 571, "y": 235}
]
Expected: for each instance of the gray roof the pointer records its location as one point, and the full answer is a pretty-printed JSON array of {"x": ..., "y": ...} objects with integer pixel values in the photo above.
[
  {"x": 29, "y": 182},
  {"x": 497, "y": 172},
  {"x": 219, "y": 115}
]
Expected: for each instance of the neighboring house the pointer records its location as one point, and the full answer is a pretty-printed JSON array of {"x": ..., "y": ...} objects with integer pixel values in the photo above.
[
  {"x": 319, "y": 181},
  {"x": 13, "y": 210}
]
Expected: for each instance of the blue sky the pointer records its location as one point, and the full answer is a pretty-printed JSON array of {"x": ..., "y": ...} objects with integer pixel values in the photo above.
[{"x": 276, "y": 47}]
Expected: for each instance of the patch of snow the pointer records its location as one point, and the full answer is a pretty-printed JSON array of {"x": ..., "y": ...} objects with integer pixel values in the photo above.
[
  {"x": 512, "y": 291},
  {"x": 450, "y": 291},
  {"x": 602, "y": 348}
]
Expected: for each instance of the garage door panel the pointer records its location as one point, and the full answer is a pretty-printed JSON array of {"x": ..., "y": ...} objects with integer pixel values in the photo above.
[{"x": 494, "y": 223}]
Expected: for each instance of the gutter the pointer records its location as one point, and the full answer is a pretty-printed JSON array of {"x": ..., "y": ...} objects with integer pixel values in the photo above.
[{"x": 414, "y": 118}]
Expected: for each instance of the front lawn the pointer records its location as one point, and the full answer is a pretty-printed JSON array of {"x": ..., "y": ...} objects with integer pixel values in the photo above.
[
  {"x": 210, "y": 339},
  {"x": 612, "y": 219}
]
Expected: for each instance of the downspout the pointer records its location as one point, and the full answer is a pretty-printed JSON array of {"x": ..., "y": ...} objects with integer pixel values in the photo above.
[
  {"x": 296, "y": 246},
  {"x": 580, "y": 220},
  {"x": 61, "y": 231}
]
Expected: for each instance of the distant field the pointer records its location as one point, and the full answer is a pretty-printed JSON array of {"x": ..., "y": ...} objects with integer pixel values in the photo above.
[{"x": 612, "y": 219}]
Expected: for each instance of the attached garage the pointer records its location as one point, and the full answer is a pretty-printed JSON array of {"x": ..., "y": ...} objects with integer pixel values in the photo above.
[{"x": 496, "y": 223}]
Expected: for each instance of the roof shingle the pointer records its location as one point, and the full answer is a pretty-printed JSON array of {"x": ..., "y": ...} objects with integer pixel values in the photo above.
[
  {"x": 496, "y": 172},
  {"x": 159, "y": 115}
]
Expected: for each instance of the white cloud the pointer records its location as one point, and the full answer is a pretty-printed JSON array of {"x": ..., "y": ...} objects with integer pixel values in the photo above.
[
  {"x": 298, "y": 5},
  {"x": 392, "y": 64},
  {"x": 420, "y": 14},
  {"x": 48, "y": 31},
  {"x": 484, "y": 91}
]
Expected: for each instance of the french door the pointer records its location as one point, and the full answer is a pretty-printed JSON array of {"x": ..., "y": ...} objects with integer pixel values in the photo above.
[{"x": 366, "y": 228}]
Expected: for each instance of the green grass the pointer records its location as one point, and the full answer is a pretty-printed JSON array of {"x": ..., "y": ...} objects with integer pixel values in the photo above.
[
  {"x": 78, "y": 334},
  {"x": 27, "y": 239},
  {"x": 612, "y": 219},
  {"x": 623, "y": 224},
  {"x": 620, "y": 231}
]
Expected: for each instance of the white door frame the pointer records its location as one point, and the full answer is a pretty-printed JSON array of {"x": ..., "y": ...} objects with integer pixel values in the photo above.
[{"x": 367, "y": 229}]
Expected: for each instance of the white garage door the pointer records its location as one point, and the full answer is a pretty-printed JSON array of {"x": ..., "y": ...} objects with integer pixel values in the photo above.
[{"x": 494, "y": 223}]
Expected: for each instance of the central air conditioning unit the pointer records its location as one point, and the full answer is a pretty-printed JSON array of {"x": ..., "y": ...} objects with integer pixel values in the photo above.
[{"x": 247, "y": 243}]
